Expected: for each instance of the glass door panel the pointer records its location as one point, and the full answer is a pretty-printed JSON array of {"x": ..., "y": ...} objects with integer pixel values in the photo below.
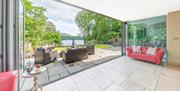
[{"x": 21, "y": 39}]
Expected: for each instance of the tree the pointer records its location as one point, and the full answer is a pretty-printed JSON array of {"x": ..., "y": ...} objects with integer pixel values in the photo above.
[
  {"x": 50, "y": 26},
  {"x": 34, "y": 23},
  {"x": 52, "y": 37},
  {"x": 101, "y": 31},
  {"x": 38, "y": 30},
  {"x": 82, "y": 20}
]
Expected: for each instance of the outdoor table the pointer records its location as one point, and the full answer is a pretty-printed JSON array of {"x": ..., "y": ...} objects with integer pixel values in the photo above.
[{"x": 34, "y": 73}]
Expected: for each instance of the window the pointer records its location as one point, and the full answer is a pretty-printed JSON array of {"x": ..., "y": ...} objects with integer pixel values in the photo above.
[{"x": 149, "y": 32}]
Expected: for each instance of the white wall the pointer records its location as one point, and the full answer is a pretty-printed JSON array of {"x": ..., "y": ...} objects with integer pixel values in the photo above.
[{"x": 173, "y": 37}]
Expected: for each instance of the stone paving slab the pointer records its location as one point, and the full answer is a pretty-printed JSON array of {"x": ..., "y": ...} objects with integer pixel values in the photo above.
[{"x": 60, "y": 70}]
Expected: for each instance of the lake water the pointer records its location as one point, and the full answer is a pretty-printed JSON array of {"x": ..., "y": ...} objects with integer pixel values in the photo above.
[{"x": 69, "y": 42}]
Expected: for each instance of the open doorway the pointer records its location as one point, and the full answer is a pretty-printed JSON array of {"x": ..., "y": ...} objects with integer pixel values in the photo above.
[{"x": 57, "y": 33}]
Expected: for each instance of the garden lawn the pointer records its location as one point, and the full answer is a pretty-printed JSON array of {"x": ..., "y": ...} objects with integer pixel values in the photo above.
[
  {"x": 60, "y": 48},
  {"x": 102, "y": 46}
]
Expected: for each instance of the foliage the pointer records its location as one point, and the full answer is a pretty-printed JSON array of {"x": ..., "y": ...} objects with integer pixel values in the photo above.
[
  {"x": 38, "y": 30},
  {"x": 50, "y": 26},
  {"x": 52, "y": 37},
  {"x": 139, "y": 29},
  {"x": 35, "y": 20},
  {"x": 91, "y": 42},
  {"x": 100, "y": 30},
  {"x": 137, "y": 34},
  {"x": 152, "y": 34},
  {"x": 159, "y": 34},
  {"x": 102, "y": 46}
]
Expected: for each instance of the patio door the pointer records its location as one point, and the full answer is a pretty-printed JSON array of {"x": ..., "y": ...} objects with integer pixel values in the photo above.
[
  {"x": 1, "y": 36},
  {"x": 21, "y": 39}
]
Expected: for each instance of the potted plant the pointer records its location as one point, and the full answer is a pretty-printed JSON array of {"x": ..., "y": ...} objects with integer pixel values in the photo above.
[{"x": 90, "y": 47}]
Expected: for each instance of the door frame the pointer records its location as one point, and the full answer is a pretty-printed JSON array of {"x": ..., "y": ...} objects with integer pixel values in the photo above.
[{"x": 1, "y": 63}]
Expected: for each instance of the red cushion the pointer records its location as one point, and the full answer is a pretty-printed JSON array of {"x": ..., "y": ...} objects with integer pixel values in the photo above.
[
  {"x": 135, "y": 55},
  {"x": 8, "y": 81},
  {"x": 144, "y": 49},
  {"x": 158, "y": 49},
  {"x": 129, "y": 50}
]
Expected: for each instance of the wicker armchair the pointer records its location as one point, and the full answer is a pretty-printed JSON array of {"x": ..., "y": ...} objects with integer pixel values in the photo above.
[{"x": 45, "y": 58}]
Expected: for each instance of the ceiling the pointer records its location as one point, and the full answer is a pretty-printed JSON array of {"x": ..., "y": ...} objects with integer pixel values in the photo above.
[{"x": 128, "y": 10}]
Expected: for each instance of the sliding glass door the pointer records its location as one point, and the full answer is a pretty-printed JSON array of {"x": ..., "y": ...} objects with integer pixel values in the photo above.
[
  {"x": 148, "y": 32},
  {"x": 21, "y": 39},
  {"x": 0, "y": 35}
]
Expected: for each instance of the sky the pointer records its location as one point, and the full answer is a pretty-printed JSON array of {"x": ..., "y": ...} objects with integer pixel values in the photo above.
[{"x": 62, "y": 15}]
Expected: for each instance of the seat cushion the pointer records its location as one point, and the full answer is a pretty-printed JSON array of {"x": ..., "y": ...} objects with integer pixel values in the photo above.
[
  {"x": 145, "y": 57},
  {"x": 136, "y": 55},
  {"x": 148, "y": 57}
]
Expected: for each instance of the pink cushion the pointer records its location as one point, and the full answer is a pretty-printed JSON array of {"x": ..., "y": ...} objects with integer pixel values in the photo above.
[
  {"x": 151, "y": 51},
  {"x": 136, "y": 49}
]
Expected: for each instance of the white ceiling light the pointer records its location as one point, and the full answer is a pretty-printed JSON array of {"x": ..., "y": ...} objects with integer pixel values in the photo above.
[{"x": 128, "y": 10}]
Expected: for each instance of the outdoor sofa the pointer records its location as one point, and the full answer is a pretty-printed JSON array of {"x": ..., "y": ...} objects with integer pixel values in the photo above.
[{"x": 75, "y": 54}]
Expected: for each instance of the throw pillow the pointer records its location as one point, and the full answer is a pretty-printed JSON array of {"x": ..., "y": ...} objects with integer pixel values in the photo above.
[
  {"x": 136, "y": 48},
  {"x": 151, "y": 51}
]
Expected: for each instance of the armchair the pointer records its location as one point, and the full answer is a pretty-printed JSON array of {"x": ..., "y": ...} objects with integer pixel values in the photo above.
[{"x": 45, "y": 58}]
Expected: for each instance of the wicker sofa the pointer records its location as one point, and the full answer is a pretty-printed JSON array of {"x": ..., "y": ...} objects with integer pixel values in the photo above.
[
  {"x": 73, "y": 55},
  {"x": 41, "y": 57}
]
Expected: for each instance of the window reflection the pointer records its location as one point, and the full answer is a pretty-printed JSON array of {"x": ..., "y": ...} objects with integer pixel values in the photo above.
[{"x": 148, "y": 32}]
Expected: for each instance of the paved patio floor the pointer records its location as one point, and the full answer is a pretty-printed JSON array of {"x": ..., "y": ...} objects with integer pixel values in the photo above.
[
  {"x": 59, "y": 70},
  {"x": 121, "y": 74}
]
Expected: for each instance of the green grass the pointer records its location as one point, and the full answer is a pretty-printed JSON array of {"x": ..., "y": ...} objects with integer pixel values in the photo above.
[
  {"x": 60, "y": 48},
  {"x": 102, "y": 46}
]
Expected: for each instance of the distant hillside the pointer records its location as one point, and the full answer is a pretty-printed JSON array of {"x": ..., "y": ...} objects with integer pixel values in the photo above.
[{"x": 66, "y": 36}]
